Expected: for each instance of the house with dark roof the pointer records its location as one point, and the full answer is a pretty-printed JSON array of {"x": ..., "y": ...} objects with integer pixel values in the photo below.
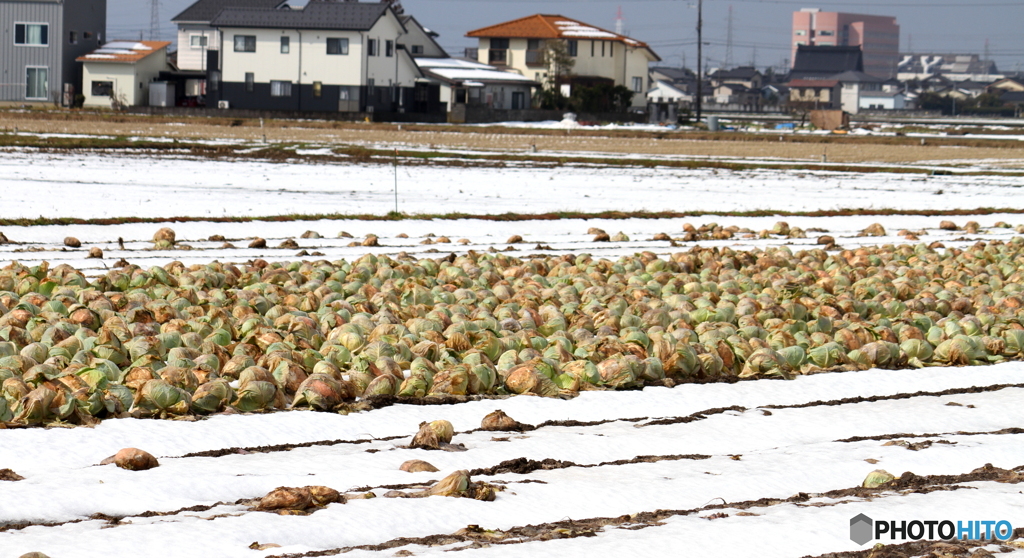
[
  {"x": 853, "y": 85},
  {"x": 41, "y": 40},
  {"x": 326, "y": 57},
  {"x": 744, "y": 75},
  {"x": 599, "y": 55},
  {"x": 197, "y": 38},
  {"x": 820, "y": 62}
]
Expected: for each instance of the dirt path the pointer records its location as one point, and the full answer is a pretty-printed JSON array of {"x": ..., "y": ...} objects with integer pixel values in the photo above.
[{"x": 1005, "y": 153}]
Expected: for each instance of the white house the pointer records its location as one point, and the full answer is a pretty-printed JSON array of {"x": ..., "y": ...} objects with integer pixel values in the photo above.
[
  {"x": 119, "y": 73},
  {"x": 196, "y": 38},
  {"x": 665, "y": 92},
  {"x": 853, "y": 85},
  {"x": 883, "y": 100},
  {"x": 599, "y": 55},
  {"x": 327, "y": 56},
  {"x": 472, "y": 83}
]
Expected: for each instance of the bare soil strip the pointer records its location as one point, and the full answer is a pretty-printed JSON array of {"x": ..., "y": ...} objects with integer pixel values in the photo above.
[
  {"x": 843, "y": 149},
  {"x": 907, "y": 483}
]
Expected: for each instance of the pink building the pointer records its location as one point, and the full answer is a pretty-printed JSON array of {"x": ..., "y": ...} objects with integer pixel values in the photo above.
[{"x": 878, "y": 36}]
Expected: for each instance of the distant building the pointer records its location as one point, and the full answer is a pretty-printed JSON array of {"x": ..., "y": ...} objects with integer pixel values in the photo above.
[
  {"x": 878, "y": 36},
  {"x": 41, "y": 39},
  {"x": 820, "y": 62},
  {"x": 957, "y": 67}
]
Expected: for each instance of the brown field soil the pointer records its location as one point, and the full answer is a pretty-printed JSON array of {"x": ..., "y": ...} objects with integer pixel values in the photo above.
[{"x": 950, "y": 150}]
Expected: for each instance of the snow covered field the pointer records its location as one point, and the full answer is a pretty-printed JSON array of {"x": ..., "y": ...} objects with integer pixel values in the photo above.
[
  {"x": 91, "y": 186},
  {"x": 712, "y": 466},
  {"x": 730, "y": 457}
]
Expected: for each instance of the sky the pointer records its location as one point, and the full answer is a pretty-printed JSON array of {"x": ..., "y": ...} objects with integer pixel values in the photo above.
[{"x": 760, "y": 28}]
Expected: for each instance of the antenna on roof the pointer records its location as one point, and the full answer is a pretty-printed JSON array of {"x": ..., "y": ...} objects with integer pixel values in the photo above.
[
  {"x": 728, "y": 42},
  {"x": 618, "y": 21},
  {"x": 154, "y": 19}
]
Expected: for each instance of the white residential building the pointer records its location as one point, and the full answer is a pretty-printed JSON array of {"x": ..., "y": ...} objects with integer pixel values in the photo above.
[
  {"x": 120, "y": 72},
  {"x": 599, "y": 55}
]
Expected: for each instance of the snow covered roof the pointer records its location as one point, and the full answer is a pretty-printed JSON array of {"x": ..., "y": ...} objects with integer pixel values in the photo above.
[
  {"x": 124, "y": 51},
  {"x": 477, "y": 75},
  {"x": 451, "y": 63},
  {"x": 546, "y": 26}
]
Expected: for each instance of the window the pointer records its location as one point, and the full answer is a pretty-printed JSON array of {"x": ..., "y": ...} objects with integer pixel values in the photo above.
[
  {"x": 499, "y": 44},
  {"x": 602, "y": 49},
  {"x": 389, "y": 48},
  {"x": 611, "y": 49},
  {"x": 593, "y": 44},
  {"x": 86, "y": 35},
  {"x": 286, "y": 45},
  {"x": 245, "y": 43},
  {"x": 416, "y": 49},
  {"x": 801, "y": 43},
  {"x": 37, "y": 83},
  {"x": 572, "y": 47},
  {"x": 32, "y": 34},
  {"x": 280, "y": 89},
  {"x": 72, "y": 38},
  {"x": 826, "y": 33},
  {"x": 532, "y": 44},
  {"x": 800, "y": 32},
  {"x": 638, "y": 84},
  {"x": 250, "y": 82},
  {"x": 197, "y": 41},
  {"x": 337, "y": 46},
  {"x": 102, "y": 88},
  {"x": 371, "y": 47},
  {"x": 215, "y": 81},
  {"x": 318, "y": 88}
]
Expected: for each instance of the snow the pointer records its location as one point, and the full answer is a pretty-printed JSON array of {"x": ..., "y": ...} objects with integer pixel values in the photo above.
[
  {"x": 478, "y": 74},
  {"x": 124, "y": 185},
  {"x": 63, "y": 484}
]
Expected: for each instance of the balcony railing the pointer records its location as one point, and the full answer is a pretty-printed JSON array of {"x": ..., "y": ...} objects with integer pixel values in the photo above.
[
  {"x": 535, "y": 58},
  {"x": 498, "y": 56}
]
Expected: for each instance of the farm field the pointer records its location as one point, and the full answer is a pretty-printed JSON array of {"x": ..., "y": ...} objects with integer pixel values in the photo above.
[{"x": 654, "y": 415}]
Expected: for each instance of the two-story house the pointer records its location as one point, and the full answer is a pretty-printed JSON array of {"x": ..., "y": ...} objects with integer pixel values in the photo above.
[
  {"x": 197, "y": 38},
  {"x": 598, "y": 55},
  {"x": 39, "y": 43},
  {"x": 328, "y": 56}
]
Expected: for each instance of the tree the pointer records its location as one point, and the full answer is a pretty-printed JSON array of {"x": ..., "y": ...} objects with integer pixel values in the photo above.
[{"x": 560, "y": 64}]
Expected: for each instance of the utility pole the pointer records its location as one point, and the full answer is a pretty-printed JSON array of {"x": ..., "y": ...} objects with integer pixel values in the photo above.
[{"x": 700, "y": 54}]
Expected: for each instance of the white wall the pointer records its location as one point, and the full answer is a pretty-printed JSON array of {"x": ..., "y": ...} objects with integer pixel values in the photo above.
[
  {"x": 190, "y": 58},
  {"x": 307, "y": 60},
  {"x": 619, "y": 62}
]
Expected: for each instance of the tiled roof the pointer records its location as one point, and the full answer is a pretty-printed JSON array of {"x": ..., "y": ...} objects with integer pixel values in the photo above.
[
  {"x": 358, "y": 16},
  {"x": 544, "y": 26},
  {"x": 206, "y": 10},
  {"x": 124, "y": 51}
]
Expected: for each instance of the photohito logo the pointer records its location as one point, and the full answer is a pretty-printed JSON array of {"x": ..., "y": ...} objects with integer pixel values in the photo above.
[{"x": 863, "y": 530}]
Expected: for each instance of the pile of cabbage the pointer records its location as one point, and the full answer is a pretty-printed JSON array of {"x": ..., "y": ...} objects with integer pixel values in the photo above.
[{"x": 179, "y": 341}]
